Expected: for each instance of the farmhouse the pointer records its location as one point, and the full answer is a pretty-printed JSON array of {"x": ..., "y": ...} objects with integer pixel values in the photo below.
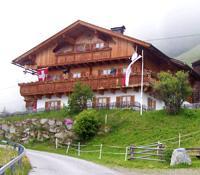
[{"x": 96, "y": 56}]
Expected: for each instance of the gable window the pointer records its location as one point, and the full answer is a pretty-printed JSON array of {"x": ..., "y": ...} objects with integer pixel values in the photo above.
[
  {"x": 80, "y": 47},
  {"x": 77, "y": 75},
  {"x": 99, "y": 45}
]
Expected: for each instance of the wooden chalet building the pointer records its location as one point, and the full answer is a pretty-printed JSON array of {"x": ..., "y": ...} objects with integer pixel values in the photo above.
[{"x": 98, "y": 57}]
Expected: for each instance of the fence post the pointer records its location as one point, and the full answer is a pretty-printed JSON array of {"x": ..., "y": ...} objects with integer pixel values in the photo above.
[
  {"x": 126, "y": 153},
  {"x": 100, "y": 151},
  {"x": 68, "y": 145},
  {"x": 79, "y": 149},
  {"x": 56, "y": 143},
  {"x": 158, "y": 147},
  {"x": 179, "y": 140},
  {"x": 132, "y": 152}
]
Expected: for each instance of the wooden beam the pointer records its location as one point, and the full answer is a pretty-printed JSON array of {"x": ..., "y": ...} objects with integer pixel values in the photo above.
[
  {"x": 113, "y": 91},
  {"x": 68, "y": 39},
  {"x": 59, "y": 95},
  {"x": 48, "y": 96}
]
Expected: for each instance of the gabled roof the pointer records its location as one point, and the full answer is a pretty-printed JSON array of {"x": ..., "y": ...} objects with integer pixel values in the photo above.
[
  {"x": 81, "y": 23},
  {"x": 196, "y": 63}
]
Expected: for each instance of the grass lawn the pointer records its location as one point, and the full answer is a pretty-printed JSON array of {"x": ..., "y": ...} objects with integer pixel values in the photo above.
[
  {"x": 128, "y": 127},
  {"x": 7, "y": 154}
]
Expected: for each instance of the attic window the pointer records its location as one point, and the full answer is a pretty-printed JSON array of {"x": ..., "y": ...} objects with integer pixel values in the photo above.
[{"x": 99, "y": 45}]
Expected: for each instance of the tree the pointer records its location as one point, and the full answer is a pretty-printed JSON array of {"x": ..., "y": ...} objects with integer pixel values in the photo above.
[
  {"x": 79, "y": 98},
  {"x": 173, "y": 89}
]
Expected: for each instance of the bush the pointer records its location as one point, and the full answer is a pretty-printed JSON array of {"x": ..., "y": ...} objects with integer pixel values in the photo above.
[
  {"x": 86, "y": 124},
  {"x": 168, "y": 155}
]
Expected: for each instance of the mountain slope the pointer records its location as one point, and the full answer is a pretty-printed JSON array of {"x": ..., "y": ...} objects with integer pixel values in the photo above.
[{"x": 190, "y": 56}]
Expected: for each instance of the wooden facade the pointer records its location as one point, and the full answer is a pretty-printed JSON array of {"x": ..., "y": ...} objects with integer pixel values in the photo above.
[{"x": 95, "y": 56}]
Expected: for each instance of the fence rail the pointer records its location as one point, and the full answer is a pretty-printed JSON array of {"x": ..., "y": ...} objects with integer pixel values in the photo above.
[
  {"x": 17, "y": 160},
  {"x": 147, "y": 152}
]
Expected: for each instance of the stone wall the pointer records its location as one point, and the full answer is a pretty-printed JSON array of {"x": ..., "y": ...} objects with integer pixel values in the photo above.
[{"x": 30, "y": 130}]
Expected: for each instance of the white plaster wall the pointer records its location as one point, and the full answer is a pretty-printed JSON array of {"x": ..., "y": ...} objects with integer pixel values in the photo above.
[
  {"x": 159, "y": 103},
  {"x": 41, "y": 102},
  {"x": 64, "y": 98}
]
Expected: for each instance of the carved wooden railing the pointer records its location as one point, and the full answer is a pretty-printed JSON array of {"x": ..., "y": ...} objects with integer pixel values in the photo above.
[
  {"x": 66, "y": 86},
  {"x": 83, "y": 57}
]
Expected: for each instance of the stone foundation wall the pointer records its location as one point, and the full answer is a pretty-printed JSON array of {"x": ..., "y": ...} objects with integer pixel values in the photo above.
[{"x": 30, "y": 130}]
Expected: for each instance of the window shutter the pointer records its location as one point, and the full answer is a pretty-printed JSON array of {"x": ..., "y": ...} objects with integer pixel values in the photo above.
[
  {"x": 99, "y": 72},
  {"x": 132, "y": 100},
  {"x": 154, "y": 104},
  {"x": 119, "y": 71},
  {"x": 46, "y": 105},
  {"x": 118, "y": 99},
  {"x": 107, "y": 102},
  {"x": 94, "y": 101},
  {"x": 58, "y": 104}
]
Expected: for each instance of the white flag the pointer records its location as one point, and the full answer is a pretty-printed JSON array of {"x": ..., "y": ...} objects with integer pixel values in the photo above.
[{"x": 134, "y": 58}]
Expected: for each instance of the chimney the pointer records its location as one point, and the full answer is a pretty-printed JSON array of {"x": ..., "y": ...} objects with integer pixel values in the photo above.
[{"x": 119, "y": 29}]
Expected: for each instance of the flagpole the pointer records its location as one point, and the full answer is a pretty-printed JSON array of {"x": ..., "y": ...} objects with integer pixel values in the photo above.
[{"x": 142, "y": 81}]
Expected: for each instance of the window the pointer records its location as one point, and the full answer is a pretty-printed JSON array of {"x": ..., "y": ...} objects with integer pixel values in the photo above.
[
  {"x": 77, "y": 75},
  {"x": 124, "y": 70},
  {"x": 111, "y": 71},
  {"x": 52, "y": 105},
  {"x": 99, "y": 45},
  {"x": 125, "y": 101},
  {"x": 151, "y": 104},
  {"x": 103, "y": 101},
  {"x": 106, "y": 72},
  {"x": 80, "y": 48}
]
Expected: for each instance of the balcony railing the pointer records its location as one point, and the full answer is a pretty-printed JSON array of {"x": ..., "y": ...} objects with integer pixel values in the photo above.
[
  {"x": 83, "y": 57},
  {"x": 66, "y": 86}
]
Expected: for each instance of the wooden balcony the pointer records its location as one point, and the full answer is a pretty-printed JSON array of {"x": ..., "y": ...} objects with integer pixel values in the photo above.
[
  {"x": 66, "y": 86},
  {"x": 83, "y": 57}
]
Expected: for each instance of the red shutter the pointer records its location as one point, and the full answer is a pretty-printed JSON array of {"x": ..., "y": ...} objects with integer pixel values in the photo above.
[
  {"x": 107, "y": 102},
  {"x": 94, "y": 101},
  {"x": 118, "y": 100},
  {"x": 47, "y": 105},
  {"x": 132, "y": 100}
]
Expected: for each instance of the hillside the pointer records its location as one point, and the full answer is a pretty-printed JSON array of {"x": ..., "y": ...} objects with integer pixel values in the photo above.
[
  {"x": 128, "y": 127},
  {"x": 190, "y": 56}
]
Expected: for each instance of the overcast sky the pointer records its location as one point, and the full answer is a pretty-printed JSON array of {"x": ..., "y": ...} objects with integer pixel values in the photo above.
[{"x": 26, "y": 23}]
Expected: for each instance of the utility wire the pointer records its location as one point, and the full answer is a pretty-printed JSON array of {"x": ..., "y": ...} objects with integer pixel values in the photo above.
[
  {"x": 8, "y": 87},
  {"x": 174, "y": 37}
]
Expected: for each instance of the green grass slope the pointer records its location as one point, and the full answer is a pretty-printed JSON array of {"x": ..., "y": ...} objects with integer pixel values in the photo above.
[
  {"x": 128, "y": 127},
  {"x": 190, "y": 56}
]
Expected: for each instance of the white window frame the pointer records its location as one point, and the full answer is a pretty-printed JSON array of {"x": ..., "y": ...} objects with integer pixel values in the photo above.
[{"x": 77, "y": 75}]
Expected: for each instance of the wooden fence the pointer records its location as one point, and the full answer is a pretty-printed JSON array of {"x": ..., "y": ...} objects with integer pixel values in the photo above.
[{"x": 152, "y": 152}]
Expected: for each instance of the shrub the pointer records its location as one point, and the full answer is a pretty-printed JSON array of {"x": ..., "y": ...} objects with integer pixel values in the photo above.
[
  {"x": 168, "y": 155},
  {"x": 86, "y": 124}
]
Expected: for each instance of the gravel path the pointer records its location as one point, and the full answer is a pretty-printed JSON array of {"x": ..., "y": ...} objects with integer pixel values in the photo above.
[{"x": 45, "y": 163}]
